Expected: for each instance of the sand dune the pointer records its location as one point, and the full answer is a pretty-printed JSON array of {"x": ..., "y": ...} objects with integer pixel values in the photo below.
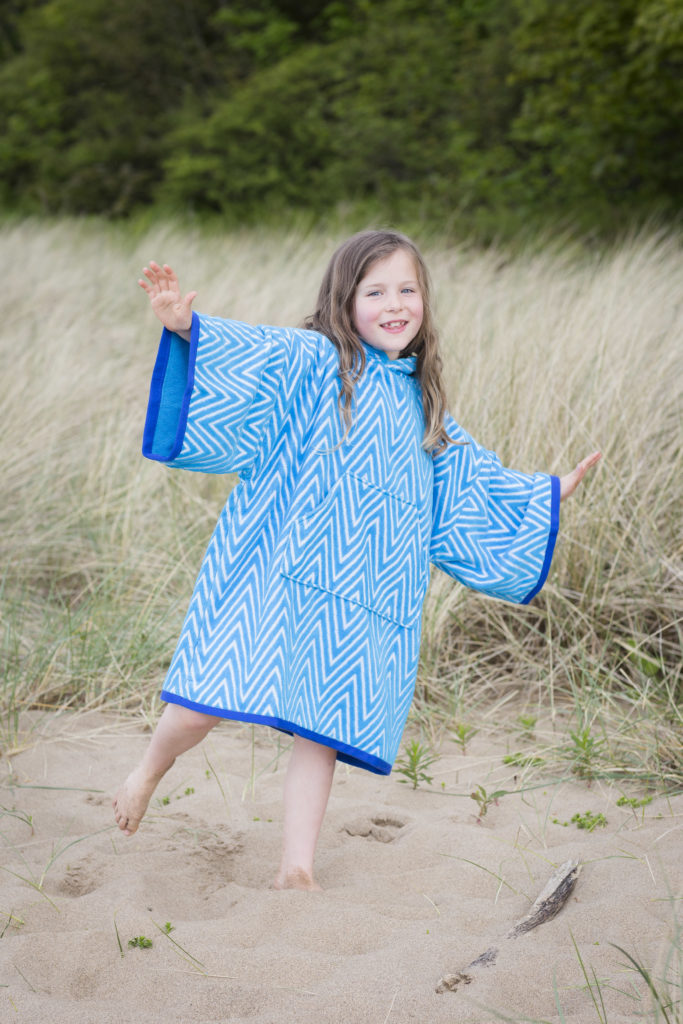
[{"x": 415, "y": 887}]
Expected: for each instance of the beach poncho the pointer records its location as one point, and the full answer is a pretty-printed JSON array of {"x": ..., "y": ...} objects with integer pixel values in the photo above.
[{"x": 306, "y": 612}]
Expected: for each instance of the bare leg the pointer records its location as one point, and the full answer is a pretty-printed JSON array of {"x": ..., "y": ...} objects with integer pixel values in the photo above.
[
  {"x": 178, "y": 729},
  {"x": 307, "y": 789}
]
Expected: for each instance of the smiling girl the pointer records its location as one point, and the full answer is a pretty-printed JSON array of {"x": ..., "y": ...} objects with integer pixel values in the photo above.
[{"x": 353, "y": 478}]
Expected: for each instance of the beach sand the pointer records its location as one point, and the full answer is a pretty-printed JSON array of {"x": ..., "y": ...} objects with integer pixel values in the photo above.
[{"x": 415, "y": 887}]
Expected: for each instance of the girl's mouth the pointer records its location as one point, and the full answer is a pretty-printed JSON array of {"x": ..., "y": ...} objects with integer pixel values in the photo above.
[{"x": 394, "y": 326}]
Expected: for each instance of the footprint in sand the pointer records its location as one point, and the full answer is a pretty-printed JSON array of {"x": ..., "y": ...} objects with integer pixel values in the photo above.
[
  {"x": 216, "y": 854},
  {"x": 97, "y": 799},
  {"x": 382, "y": 827},
  {"x": 78, "y": 880}
]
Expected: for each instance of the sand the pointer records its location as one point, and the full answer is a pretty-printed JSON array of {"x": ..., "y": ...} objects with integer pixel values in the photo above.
[{"x": 415, "y": 887}]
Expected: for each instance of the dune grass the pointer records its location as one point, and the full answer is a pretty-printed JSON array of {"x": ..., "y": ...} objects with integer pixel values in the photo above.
[{"x": 550, "y": 353}]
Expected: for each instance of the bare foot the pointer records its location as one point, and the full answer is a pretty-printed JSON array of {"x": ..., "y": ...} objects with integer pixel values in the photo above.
[
  {"x": 130, "y": 803},
  {"x": 296, "y": 879}
]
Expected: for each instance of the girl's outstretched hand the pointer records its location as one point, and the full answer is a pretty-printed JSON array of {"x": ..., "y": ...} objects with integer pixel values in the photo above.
[
  {"x": 174, "y": 311},
  {"x": 571, "y": 481}
]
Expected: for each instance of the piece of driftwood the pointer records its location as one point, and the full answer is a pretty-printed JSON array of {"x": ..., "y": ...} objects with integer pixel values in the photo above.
[{"x": 547, "y": 904}]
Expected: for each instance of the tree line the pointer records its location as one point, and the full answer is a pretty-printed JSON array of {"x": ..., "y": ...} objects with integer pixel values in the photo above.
[{"x": 493, "y": 111}]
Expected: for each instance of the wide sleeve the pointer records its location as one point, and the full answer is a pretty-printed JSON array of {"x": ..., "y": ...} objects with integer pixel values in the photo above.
[
  {"x": 216, "y": 402},
  {"x": 493, "y": 528}
]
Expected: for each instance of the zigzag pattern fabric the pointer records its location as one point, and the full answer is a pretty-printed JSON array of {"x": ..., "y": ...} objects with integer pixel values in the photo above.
[{"x": 306, "y": 612}]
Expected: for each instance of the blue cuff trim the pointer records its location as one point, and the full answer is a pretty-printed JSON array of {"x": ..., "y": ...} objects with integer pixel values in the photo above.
[
  {"x": 345, "y": 753},
  {"x": 552, "y": 537},
  {"x": 169, "y": 395}
]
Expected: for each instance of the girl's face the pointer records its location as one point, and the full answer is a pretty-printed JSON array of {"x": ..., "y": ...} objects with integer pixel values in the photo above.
[{"x": 388, "y": 309}]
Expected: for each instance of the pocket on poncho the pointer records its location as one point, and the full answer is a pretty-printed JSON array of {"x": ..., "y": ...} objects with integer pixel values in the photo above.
[{"x": 363, "y": 544}]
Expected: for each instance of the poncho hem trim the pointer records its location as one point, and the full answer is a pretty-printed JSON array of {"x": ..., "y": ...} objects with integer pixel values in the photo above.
[
  {"x": 552, "y": 537},
  {"x": 156, "y": 395},
  {"x": 347, "y": 754}
]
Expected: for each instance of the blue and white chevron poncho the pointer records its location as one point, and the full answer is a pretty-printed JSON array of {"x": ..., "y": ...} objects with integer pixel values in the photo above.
[{"x": 306, "y": 612}]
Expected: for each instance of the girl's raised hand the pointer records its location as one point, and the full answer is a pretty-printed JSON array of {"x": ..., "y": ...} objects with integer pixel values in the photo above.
[
  {"x": 174, "y": 311},
  {"x": 571, "y": 481}
]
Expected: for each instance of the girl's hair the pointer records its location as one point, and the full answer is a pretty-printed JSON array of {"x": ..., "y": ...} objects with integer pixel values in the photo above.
[{"x": 333, "y": 317}]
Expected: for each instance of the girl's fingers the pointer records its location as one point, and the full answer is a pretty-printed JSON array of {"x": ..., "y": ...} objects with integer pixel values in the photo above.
[
  {"x": 151, "y": 276},
  {"x": 589, "y": 461},
  {"x": 571, "y": 481},
  {"x": 159, "y": 279},
  {"x": 155, "y": 274}
]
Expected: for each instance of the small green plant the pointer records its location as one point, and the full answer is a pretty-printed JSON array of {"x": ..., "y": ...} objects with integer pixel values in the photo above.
[
  {"x": 527, "y": 724},
  {"x": 168, "y": 928},
  {"x": 585, "y": 751},
  {"x": 462, "y": 733},
  {"x": 520, "y": 760},
  {"x": 165, "y": 801},
  {"x": 484, "y": 799},
  {"x": 587, "y": 821},
  {"x": 414, "y": 765},
  {"x": 140, "y": 942},
  {"x": 633, "y": 801},
  {"x": 649, "y": 666}
]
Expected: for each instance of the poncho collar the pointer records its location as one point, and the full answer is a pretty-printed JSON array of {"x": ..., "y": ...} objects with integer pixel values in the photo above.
[{"x": 407, "y": 365}]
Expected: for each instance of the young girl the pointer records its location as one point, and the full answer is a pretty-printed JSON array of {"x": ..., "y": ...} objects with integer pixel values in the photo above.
[{"x": 353, "y": 478}]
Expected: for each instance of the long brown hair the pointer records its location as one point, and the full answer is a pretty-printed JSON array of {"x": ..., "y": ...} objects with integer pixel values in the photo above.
[{"x": 333, "y": 317}]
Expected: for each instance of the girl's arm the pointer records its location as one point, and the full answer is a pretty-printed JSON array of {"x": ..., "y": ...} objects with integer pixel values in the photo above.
[
  {"x": 174, "y": 311},
  {"x": 571, "y": 481}
]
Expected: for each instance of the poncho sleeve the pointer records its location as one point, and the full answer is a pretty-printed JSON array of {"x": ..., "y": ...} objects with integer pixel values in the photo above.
[
  {"x": 493, "y": 529},
  {"x": 216, "y": 402}
]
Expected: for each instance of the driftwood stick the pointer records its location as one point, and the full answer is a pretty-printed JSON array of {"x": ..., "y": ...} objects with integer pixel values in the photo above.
[{"x": 547, "y": 904}]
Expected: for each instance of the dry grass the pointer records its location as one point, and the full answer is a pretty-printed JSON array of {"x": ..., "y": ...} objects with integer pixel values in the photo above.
[{"x": 549, "y": 354}]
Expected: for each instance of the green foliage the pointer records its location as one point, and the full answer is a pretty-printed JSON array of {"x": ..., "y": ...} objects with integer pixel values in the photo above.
[
  {"x": 633, "y": 801},
  {"x": 527, "y": 724},
  {"x": 87, "y": 100},
  {"x": 520, "y": 760},
  {"x": 462, "y": 734},
  {"x": 140, "y": 942},
  {"x": 414, "y": 764},
  {"x": 486, "y": 111},
  {"x": 484, "y": 799},
  {"x": 602, "y": 101},
  {"x": 585, "y": 751},
  {"x": 587, "y": 821}
]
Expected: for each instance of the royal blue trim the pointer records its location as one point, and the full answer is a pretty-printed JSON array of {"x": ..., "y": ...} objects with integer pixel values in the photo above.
[
  {"x": 552, "y": 537},
  {"x": 345, "y": 753},
  {"x": 169, "y": 395}
]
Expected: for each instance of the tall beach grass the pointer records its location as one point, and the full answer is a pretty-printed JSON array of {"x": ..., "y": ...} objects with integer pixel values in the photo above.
[{"x": 549, "y": 354}]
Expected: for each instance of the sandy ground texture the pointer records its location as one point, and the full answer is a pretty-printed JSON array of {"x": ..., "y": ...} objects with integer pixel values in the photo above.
[{"x": 415, "y": 888}]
